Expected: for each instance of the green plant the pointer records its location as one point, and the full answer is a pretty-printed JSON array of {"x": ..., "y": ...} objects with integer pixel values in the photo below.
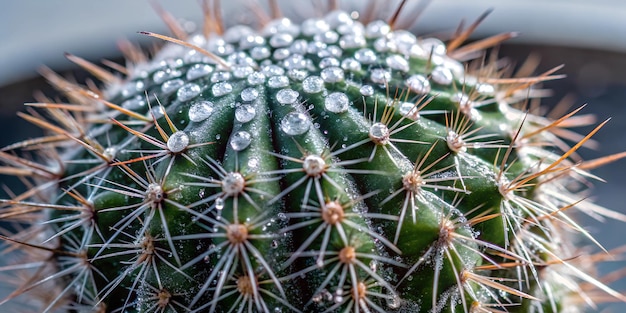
[{"x": 321, "y": 167}]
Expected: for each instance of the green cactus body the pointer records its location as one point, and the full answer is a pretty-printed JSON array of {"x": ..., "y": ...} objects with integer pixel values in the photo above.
[{"x": 331, "y": 166}]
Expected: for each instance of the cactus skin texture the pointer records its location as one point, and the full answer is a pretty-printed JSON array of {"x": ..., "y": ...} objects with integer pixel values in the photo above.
[{"x": 335, "y": 165}]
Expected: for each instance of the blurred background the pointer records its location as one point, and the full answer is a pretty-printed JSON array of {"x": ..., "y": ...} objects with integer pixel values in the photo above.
[{"x": 589, "y": 37}]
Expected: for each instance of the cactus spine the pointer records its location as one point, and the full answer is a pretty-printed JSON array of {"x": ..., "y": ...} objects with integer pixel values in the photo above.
[{"x": 336, "y": 165}]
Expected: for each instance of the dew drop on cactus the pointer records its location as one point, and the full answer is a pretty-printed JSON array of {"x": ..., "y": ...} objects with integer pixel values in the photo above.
[{"x": 336, "y": 165}]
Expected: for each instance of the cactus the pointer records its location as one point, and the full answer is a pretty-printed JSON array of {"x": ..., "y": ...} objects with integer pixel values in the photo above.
[{"x": 338, "y": 165}]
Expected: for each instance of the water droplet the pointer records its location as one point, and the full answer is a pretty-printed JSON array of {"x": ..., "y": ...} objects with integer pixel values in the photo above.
[
  {"x": 351, "y": 64},
  {"x": 245, "y": 113},
  {"x": 377, "y": 29},
  {"x": 253, "y": 163},
  {"x": 256, "y": 78},
  {"x": 251, "y": 40},
  {"x": 219, "y": 203},
  {"x": 328, "y": 62},
  {"x": 338, "y": 298},
  {"x": 299, "y": 46},
  {"x": 367, "y": 90},
  {"x": 405, "y": 41},
  {"x": 442, "y": 75},
  {"x": 351, "y": 41},
  {"x": 134, "y": 103},
  {"x": 336, "y": 102},
  {"x": 218, "y": 46},
  {"x": 462, "y": 99},
  {"x": 384, "y": 44},
  {"x": 188, "y": 92},
  {"x": 313, "y": 84},
  {"x": 336, "y": 18},
  {"x": 131, "y": 88},
  {"x": 332, "y": 74},
  {"x": 163, "y": 75},
  {"x": 178, "y": 142},
  {"x": 273, "y": 70},
  {"x": 327, "y": 37},
  {"x": 315, "y": 47},
  {"x": 200, "y": 111},
  {"x": 240, "y": 140},
  {"x": 278, "y": 81},
  {"x": 418, "y": 84},
  {"x": 333, "y": 51},
  {"x": 221, "y": 89},
  {"x": 242, "y": 71},
  {"x": 295, "y": 123},
  {"x": 239, "y": 59},
  {"x": 434, "y": 46},
  {"x": 220, "y": 76},
  {"x": 233, "y": 183},
  {"x": 409, "y": 109},
  {"x": 397, "y": 62},
  {"x": 192, "y": 56},
  {"x": 249, "y": 94},
  {"x": 312, "y": 27},
  {"x": 198, "y": 70},
  {"x": 287, "y": 96},
  {"x": 380, "y": 76},
  {"x": 365, "y": 56},
  {"x": 157, "y": 111},
  {"x": 110, "y": 153},
  {"x": 295, "y": 61},
  {"x": 297, "y": 74},
  {"x": 280, "y": 40},
  {"x": 171, "y": 85}
]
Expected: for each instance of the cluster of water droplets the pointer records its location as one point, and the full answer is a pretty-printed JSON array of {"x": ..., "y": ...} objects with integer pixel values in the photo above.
[{"x": 321, "y": 56}]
